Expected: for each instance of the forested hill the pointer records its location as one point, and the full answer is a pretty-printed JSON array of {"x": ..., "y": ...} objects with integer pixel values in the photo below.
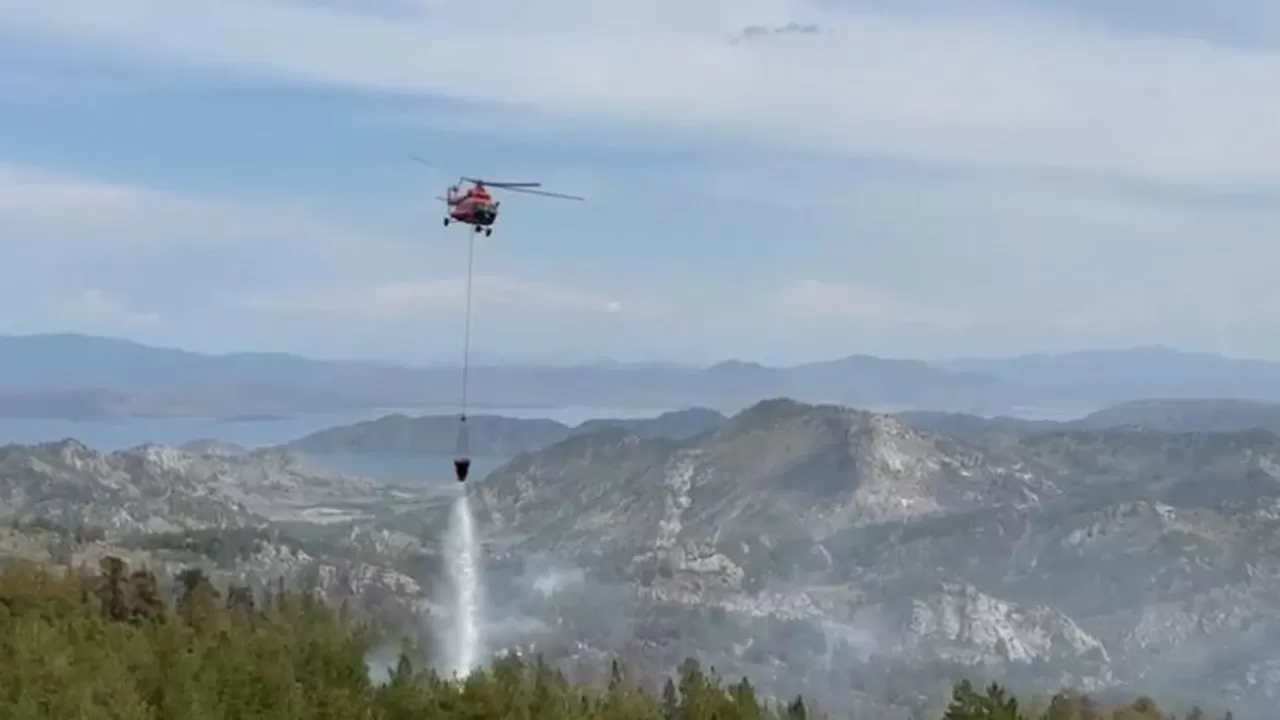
[
  {"x": 110, "y": 645},
  {"x": 491, "y": 435}
]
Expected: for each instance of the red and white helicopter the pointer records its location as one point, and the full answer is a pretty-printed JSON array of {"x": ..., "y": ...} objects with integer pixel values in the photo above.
[{"x": 476, "y": 207}]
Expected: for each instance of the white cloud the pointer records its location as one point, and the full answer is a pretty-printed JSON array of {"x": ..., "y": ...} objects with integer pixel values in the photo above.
[
  {"x": 57, "y": 214},
  {"x": 1006, "y": 89},
  {"x": 62, "y": 230},
  {"x": 393, "y": 301},
  {"x": 95, "y": 312},
  {"x": 818, "y": 304},
  {"x": 43, "y": 196}
]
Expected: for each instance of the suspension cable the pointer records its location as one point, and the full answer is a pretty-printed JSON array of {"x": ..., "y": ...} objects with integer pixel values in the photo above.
[
  {"x": 462, "y": 458},
  {"x": 466, "y": 336}
]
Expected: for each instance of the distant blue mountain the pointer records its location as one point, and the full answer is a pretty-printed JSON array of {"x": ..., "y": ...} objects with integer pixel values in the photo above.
[
  {"x": 1110, "y": 376},
  {"x": 60, "y": 362},
  {"x": 83, "y": 376}
]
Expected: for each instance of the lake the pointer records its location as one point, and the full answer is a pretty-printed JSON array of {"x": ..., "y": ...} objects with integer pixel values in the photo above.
[{"x": 257, "y": 432}]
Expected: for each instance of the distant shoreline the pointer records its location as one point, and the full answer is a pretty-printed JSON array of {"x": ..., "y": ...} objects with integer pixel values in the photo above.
[{"x": 265, "y": 417}]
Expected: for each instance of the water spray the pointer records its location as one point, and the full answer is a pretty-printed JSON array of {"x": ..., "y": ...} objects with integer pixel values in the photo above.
[{"x": 465, "y": 642}]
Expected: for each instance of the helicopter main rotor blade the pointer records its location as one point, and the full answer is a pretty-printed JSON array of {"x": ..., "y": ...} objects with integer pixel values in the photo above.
[
  {"x": 543, "y": 193},
  {"x": 524, "y": 187},
  {"x": 495, "y": 183},
  {"x": 424, "y": 162}
]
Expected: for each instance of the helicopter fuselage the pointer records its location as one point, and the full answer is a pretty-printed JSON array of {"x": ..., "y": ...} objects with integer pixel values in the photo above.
[
  {"x": 472, "y": 208},
  {"x": 476, "y": 207}
]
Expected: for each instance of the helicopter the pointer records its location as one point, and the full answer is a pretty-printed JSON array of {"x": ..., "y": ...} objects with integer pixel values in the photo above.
[{"x": 475, "y": 206}]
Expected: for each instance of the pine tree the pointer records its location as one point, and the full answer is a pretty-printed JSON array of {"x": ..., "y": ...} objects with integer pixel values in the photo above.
[
  {"x": 746, "y": 706},
  {"x": 615, "y": 675},
  {"x": 965, "y": 703},
  {"x": 113, "y": 588},
  {"x": 111, "y": 647},
  {"x": 994, "y": 704},
  {"x": 148, "y": 602},
  {"x": 670, "y": 701},
  {"x": 1071, "y": 705}
]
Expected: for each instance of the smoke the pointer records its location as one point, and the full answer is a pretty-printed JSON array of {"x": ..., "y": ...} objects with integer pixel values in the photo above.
[
  {"x": 554, "y": 580},
  {"x": 381, "y": 661},
  {"x": 544, "y": 603}
]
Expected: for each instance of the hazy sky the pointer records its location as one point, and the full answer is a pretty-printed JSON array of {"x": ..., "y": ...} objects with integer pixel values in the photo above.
[{"x": 912, "y": 178}]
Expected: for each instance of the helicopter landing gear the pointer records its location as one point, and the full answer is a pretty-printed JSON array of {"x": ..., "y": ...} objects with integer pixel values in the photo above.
[
  {"x": 446, "y": 222},
  {"x": 488, "y": 232}
]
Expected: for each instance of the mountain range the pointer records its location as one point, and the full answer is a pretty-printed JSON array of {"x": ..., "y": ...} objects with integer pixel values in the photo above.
[
  {"x": 852, "y": 556},
  {"x": 499, "y": 436},
  {"x": 82, "y": 377}
]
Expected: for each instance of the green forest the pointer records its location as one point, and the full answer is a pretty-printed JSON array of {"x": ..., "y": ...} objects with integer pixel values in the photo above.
[{"x": 110, "y": 645}]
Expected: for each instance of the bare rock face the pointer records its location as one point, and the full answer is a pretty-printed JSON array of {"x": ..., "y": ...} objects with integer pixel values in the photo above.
[{"x": 980, "y": 628}]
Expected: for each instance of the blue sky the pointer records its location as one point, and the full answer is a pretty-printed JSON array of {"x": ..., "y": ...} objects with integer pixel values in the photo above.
[{"x": 919, "y": 178}]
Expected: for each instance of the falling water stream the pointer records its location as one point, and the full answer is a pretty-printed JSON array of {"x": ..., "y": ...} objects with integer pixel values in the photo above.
[{"x": 465, "y": 640}]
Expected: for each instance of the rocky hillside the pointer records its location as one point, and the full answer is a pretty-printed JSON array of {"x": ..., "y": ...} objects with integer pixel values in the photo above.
[
  {"x": 155, "y": 488},
  {"x": 778, "y": 469},
  {"x": 249, "y": 518},
  {"x": 843, "y": 554},
  {"x": 814, "y": 545}
]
